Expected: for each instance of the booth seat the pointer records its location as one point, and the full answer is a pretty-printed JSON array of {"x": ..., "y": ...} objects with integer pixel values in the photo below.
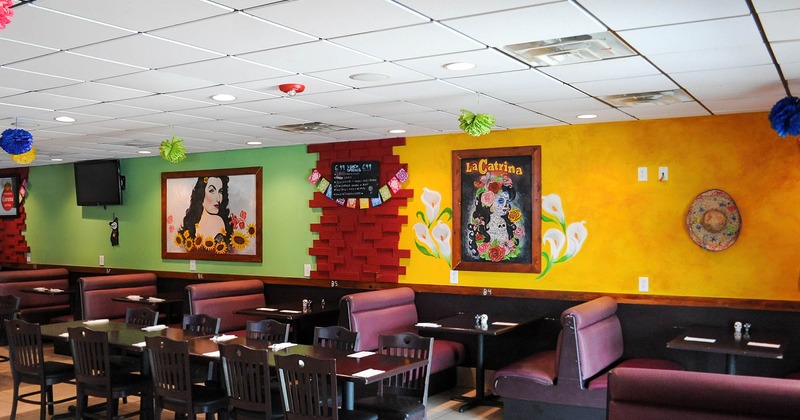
[
  {"x": 96, "y": 293},
  {"x": 36, "y": 307},
  {"x": 576, "y": 372},
  {"x": 662, "y": 395},
  {"x": 390, "y": 311},
  {"x": 220, "y": 299}
]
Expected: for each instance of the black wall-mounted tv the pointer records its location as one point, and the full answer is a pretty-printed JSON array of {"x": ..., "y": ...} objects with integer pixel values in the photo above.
[{"x": 98, "y": 183}]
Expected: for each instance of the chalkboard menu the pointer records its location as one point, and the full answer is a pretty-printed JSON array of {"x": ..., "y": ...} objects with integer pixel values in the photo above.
[{"x": 355, "y": 179}]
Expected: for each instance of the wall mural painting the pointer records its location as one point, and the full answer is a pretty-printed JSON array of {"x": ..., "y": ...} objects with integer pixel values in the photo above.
[
  {"x": 211, "y": 215},
  {"x": 561, "y": 243},
  {"x": 432, "y": 233},
  {"x": 497, "y": 196}
]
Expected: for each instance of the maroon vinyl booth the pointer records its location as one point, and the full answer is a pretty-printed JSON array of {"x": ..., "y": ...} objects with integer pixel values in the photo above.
[
  {"x": 220, "y": 299},
  {"x": 35, "y": 307},
  {"x": 666, "y": 395},
  {"x": 96, "y": 293},
  {"x": 576, "y": 372}
]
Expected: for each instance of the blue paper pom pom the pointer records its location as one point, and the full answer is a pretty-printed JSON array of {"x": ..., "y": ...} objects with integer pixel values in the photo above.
[
  {"x": 785, "y": 116},
  {"x": 16, "y": 141}
]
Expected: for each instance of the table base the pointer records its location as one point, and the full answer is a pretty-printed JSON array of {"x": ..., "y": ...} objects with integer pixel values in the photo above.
[{"x": 472, "y": 402}]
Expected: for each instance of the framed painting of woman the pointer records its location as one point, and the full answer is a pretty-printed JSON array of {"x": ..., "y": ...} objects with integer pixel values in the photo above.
[
  {"x": 212, "y": 215},
  {"x": 497, "y": 218}
]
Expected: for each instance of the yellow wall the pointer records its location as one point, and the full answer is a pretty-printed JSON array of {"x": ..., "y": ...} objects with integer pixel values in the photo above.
[{"x": 637, "y": 228}]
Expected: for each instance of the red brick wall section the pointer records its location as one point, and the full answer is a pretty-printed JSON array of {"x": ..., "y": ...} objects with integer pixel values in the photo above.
[
  {"x": 14, "y": 246},
  {"x": 359, "y": 244}
]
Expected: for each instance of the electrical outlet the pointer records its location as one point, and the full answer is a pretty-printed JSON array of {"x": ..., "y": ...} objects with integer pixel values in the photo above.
[
  {"x": 644, "y": 284},
  {"x": 663, "y": 173},
  {"x": 192, "y": 265},
  {"x": 453, "y": 276},
  {"x": 307, "y": 270},
  {"x": 642, "y": 173},
  {"x": 102, "y": 260}
]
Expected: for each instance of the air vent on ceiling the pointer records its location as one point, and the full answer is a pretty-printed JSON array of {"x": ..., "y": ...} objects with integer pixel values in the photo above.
[
  {"x": 663, "y": 97},
  {"x": 312, "y": 127},
  {"x": 573, "y": 49}
]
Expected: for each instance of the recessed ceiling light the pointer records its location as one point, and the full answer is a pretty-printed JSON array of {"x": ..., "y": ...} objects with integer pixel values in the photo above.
[
  {"x": 223, "y": 97},
  {"x": 144, "y": 152},
  {"x": 397, "y": 131},
  {"x": 254, "y": 143},
  {"x": 587, "y": 116},
  {"x": 56, "y": 160},
  {"x": 64, "y": 119},
  {"x": 459, "y": 66},
  {"x": 369, "y": 77}
]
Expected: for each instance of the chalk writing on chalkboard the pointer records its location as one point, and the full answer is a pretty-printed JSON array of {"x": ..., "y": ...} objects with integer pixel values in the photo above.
[{"x": 355, "y": 179}]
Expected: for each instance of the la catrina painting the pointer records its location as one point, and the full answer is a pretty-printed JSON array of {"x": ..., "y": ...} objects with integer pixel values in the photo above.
[{"x": 497, "y": 200}]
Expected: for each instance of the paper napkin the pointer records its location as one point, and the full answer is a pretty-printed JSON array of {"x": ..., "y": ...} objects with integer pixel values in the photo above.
[
  {"x": 214, "y": 354},
  {"x": 140, "y": 344},
  {"x": 290, "y": 311},
  {"x": 267, "y": 309},
  {"x": 158, "y": 327},
  {"x": 427, "y": 324},
  {"x": 366, "y": 373},
  {"x": 223, "y": 337},
  {"x": 56, "y": 290},
  {"x": 759, "y": 344},
  {"x": 96, "y": 321},
  {"x": 281, "y": 346},
  {"x": 65, "y": 335},
  {"x": 154, "y": 299},
  {"x": 700, "y": 339},
  {"x": 133, "y": 297},
  {"x": 504, "y": 323},
  {"x": 361, "y": 354}
]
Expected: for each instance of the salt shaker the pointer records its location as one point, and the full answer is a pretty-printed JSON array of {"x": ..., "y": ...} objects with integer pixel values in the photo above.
[{"x": 737, "y": 327}]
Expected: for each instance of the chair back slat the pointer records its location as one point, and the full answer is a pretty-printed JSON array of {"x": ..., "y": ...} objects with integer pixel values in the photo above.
[
  {"x": 25, "y": 349},
  {"x": 268, "y": 330},
  {"x": 142, "y": 317},
  {"x": 90, "y": 356},
  {"x": 201, "y": 323},
  {"x": 336, "y": 337},
  {"x": 413, "y": 382},
  {"x": 247, "y": 378},
  {"x": 308, "y": 387},
  {"x": 170, "y": 369}
]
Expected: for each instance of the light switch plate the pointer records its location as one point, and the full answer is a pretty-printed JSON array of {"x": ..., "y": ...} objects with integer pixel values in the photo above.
[
  {"x": 663, "y": 173},
  {"x": 192, "y": 265},
  {"x": 453, "y": 276},
  {"x": 307, "y": 270},
  {"x": 642, "y": 174},
  {"x": 102, "y": 260}
]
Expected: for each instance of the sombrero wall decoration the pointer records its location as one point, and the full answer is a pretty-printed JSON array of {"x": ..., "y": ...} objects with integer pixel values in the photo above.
[{"x": 713, "y": 220}]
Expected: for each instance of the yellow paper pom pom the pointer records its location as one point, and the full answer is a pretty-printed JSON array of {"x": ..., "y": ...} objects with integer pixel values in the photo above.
[{"x": 25, "y": 158}]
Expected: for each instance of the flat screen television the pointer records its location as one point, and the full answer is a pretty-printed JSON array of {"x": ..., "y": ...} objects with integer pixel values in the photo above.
[{"x": 98, "y": 183}]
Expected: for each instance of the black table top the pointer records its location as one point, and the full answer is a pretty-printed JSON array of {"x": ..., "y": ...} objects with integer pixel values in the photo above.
[
  {"x": 465, "y": 323},
  {"x": 723, "y": 340}
]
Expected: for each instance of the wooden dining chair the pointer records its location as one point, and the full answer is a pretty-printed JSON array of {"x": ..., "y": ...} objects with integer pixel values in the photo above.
[
  {"x": 141, "y": 317},
  {"x": 9, "y": 306},
  {"x": 404, "y": 396},
  {"x": 248, "y": 383},
  {"x": 94, "y": 377},
  {"x": 173, "y": 388},
  {"x": 201, "y": 323},
  {"x": 335, "y": 337},
  {"x": 27, "y": 363},
  {"x": 268, "y": 330},
  {"x": 308, "y": 389}
]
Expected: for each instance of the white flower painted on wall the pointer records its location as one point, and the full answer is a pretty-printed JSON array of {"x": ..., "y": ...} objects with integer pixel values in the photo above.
[
  {"x": 432, "y": 234},
  {"x": 561, "y": 243}
]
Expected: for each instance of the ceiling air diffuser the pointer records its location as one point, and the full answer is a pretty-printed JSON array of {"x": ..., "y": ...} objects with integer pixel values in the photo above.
[
  {"x": 664, "y": 97},
  {"x": 573, "y": 49}
]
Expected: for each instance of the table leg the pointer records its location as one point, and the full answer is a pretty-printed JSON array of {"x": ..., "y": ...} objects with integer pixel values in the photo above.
[
  {"x": 348, "y": 399},
  {"x": 730, "y": 364},
  {"x": 480, "y": 397}
]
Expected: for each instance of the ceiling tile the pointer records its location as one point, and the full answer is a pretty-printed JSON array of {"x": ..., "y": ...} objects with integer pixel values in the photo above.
[
  {"x": 629, "y": 85},
  {"x": 17, "y": 51},
  {"x": 146, "y": 51},
  {"x": 409, "y": 42},
  {"x": 617, "y": 68},
  {"x": 720, "y": 58},
  {"x": 527, "y": 24},
  {"x": 387, "y": 109},
  {"x": 781, "y": 26},
  {"x": 709, "y": 35},
  {"x": 763, "y": 6},
  {"x": 74, "y": 66},
  {"x": 19, "y": 79},
  {"x": 682, "y": 109},
  {"x": 137, "y": 15},
  {"x": 157, "y": 81},
  {"x": 45, "y": 28},
  {"x": 396, "y": 74},
  {"x": 242, "y": 95},
  {"x": 630, "y": 14},
  {"x": 446, "y": 9},
  {"x": 310, "y": 57},
  {"x": 96, "y": 91},
  {"x": 226, "y": 70},
  {"x": 251, "y": 34},
  {"x": 46, "y": 101},
  {"x": 731, "y": 83},
  {"x": 329, "y": 19},
  {"x": 486, "y": 60}
]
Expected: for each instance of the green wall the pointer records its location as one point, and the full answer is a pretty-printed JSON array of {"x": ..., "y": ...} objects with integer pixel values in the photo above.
[{"x": 61, "y": 233}]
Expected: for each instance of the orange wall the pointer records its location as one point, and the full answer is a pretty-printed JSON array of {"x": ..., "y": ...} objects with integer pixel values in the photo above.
[{"x": 637, "y": 228}]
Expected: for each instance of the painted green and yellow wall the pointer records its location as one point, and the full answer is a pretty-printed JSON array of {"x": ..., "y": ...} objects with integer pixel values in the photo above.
[{"x": 634, "y": 228}]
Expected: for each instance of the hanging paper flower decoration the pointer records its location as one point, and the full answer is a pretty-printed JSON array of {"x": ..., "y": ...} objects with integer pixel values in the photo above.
[
  {"x": 5, "y": 13},
  {"x": 785, "y": 116},
  {"x": 25, "y": 158},
  {"x": 16, "y": 141},
  {"x": 475, "y": 124},
  {"x": 173, "y": 150}
]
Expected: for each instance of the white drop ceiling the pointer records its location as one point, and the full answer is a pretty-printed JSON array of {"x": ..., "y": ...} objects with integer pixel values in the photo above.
[{"x": 135, "y": 72}]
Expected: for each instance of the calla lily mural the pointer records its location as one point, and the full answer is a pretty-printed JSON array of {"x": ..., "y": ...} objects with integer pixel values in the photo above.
[
  {"x": 561, "y": 243},
  {"x": 432, "y": 233}
]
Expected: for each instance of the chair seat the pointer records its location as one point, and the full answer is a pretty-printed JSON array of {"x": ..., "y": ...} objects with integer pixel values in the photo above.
[
  {"x": 356, "y": 415},
  {"x": 57, "y": 371},
  {"x": 202, "y": 395},
  {"x": 121, "y": 384},
  {"x": 393, "y": 407}
]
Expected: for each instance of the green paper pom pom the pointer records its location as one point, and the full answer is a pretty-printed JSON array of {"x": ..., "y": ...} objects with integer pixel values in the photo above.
[
  {"x": 475, "y": 124},
  {"x": 173, "y": 150}
]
